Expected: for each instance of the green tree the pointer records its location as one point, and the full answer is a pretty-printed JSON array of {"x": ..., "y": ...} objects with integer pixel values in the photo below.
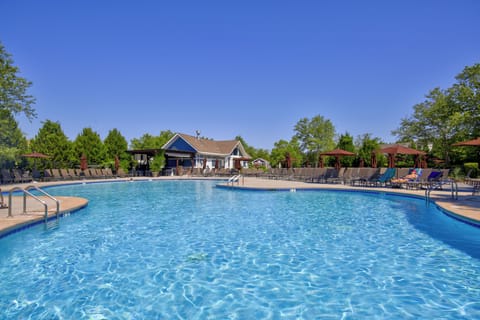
[
  {"x": 52, "y": 141},
  {"x": 366, "y": 145},
  {"x": 13, "y": 88},
  {"x": 115, "y": 145},
  {"x": 252, "y": 151},
  {"x": 315, "y": 136},
  {"x": 345, "y": 142},
  {"x": 148, "y": 141},
  {"x": 12, "y": 140},
  {"x": 88, "y": 142},
  {"x": 446, "y": 116},
  {"x": 280, "y": 150},
  {"x": 466, "y": 94},
  {"x": 437, "y": 120},
  {"x": 14, "y": 99}
]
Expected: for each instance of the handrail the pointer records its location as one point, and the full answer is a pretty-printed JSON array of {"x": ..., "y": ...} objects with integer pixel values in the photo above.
[
  {"x": 45, "y": 194},
  {"x": 235, "y": 178},
  {"x": 25, "y": 193},
  {"x": 433, "y": 186}
]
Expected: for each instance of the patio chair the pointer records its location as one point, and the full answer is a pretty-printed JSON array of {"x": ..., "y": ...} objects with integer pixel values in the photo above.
[
  {"x": 7, "y": 176},
  {"x": 383, "y": 179}
]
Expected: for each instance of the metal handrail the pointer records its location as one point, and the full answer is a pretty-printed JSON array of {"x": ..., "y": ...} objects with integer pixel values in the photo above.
[
  {"x": 25, "y": 193},
  {"x": 45, "y": 194},
  {"x": 235, "y": 178},
  {"x": 28, "y": 193}
]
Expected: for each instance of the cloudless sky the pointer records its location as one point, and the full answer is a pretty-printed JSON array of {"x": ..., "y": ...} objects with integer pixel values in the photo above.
[{"x": 251, "y": 68}]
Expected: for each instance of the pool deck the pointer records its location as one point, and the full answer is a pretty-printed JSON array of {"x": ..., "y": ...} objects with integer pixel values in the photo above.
[{"x": 466, "y": 207}]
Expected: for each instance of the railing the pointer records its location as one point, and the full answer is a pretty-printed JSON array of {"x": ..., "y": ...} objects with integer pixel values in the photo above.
[
  {"x": 236, "y": 178},
  {"x": 436, "y": 185},
  {"x": 26, "y": 193}
]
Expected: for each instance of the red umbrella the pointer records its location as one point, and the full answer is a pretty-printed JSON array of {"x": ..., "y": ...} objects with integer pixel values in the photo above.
[
  {"x": 374, "y": 160},
  {"x": 117, "y": 163},
  {"x": 83, "y": 162},
  {"x": 395, "y": 149},
  {"x": 36, "y": 155},
  {"x": 337, "y": 153},
  {"x": 469, "y": 143},
  {"x": 474, "y": 142},
  {"x": 288, "y": 160}
]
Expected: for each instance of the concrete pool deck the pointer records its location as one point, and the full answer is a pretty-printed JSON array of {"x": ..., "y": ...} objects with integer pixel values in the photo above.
[{"x": 466, "y": 207}]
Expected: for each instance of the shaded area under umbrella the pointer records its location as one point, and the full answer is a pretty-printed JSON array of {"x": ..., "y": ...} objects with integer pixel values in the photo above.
[
  {"x": 337, "y": 153},
  {"x": 35, "y": 156},
  {"x": 470, "y": 143},
  {"x": 394, "y": 149}
]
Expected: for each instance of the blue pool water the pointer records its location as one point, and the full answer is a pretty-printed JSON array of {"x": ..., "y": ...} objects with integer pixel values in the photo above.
[{"x": 188, "y": 250}]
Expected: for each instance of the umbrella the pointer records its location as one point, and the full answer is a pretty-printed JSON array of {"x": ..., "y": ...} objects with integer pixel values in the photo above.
[
  {"x": 474, "y": 142},
  {"x": 374, "y": 160},
  {"x": 469, "y": 143},
  {"x": 116, "y": 163},
  {"x": 288, "y": 160},
  {"x": 337, "y": 153},
  {"x": 395, "y": 149},
  {"x": 35, "y": 156},
  {"x": 83, "y": 162}
]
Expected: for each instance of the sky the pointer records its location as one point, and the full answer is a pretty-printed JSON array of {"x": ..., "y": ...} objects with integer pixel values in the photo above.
[{"x": 229, "y": 68}]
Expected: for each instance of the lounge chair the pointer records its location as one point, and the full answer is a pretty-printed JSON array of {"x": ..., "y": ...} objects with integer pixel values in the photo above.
[
  {"x": 7, "y": 176},
  {"x": 383, "y": 179},
  {"x": 411, "y": 179}
]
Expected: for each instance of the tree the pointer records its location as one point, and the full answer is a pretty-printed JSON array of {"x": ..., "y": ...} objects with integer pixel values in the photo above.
[
  {"x": 345, "y": 142},
  {"x": 13, "y": 88},
  {"x": 315, "y": 136},
  {"x": 52, "y": 141},
  {"x": 88, "y": 142},
  {"x": 12, "y": 141},
  {"x": 280, "y": 150},
  {"x": 366, "y": 145},
  {"x": 147, "y": 141},
  {"x": 446, "y": 116},
  {"x": 466, "y": 94},
  {"x": 253, "y": 152}
]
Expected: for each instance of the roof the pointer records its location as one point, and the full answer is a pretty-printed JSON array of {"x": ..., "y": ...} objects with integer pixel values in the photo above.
[{"x": 206, "y": 146}]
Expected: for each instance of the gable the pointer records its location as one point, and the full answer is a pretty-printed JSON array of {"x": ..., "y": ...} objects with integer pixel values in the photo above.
[{"x": 180, "y": 145}]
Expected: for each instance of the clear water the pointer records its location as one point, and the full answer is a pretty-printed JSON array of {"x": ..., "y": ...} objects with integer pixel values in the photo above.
[{"x": 187, "y": 250}]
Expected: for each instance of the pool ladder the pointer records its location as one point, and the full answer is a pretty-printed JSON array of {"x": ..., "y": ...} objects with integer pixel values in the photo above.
[
  {"x": 438, "y": 185},
  {"x": 48, "y": 224},
  {"x": 236, "y": 179}
]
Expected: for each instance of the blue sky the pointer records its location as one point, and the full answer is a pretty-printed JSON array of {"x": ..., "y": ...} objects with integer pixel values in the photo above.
[{"x": 227, "y": 68}]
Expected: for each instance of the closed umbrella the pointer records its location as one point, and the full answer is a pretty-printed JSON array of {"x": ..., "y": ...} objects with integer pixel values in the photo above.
[
  {"x": 83, "y": 162},
  {"x": 117, "y": 164}
]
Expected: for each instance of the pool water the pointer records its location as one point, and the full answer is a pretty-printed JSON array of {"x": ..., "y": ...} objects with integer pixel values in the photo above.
[{"x": 188, "y": 250}]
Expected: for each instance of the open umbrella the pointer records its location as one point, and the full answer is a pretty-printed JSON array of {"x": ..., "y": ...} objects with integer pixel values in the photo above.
[
  {"x": 394, "y": 149},
  {"x": 35, "y": 156},
  {"x": 474, "y": 142},
  {"x": 469, "y": 143},
  {"x": 337, "y": 153}
]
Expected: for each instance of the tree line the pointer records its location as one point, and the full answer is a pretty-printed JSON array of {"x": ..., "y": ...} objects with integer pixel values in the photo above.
[{"x": 445, "y": 116}]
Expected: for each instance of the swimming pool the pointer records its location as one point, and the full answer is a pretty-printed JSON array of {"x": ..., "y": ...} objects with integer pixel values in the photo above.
[{"x": 187, "y": 250}]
